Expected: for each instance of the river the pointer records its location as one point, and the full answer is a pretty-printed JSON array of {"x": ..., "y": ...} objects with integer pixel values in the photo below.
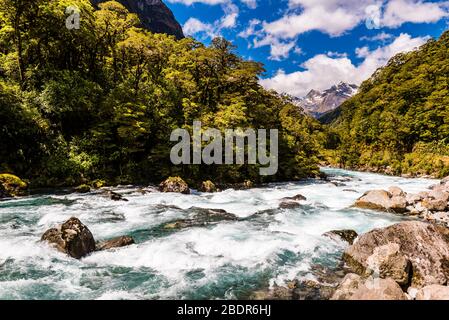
[{"x": 226, "y": 260}]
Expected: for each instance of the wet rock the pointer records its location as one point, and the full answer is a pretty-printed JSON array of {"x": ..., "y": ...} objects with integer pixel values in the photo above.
[
  {"x": 12, "y": 186},
  {"x": 350, "y": 190},
  {"x": 208, "y": 187},
  {"x": 84, "y": 188},
  {"x": 174, "y": 184},
  {"x": 115, "y": 243},
  {"x": 289, "y": 204},
  {"x": 72, "y": 238},
  {"x": 346, "y": 235},
  {"x": 298, "y": 197},
  {"x": 388, "y": 262},
  {"x": 433, "y": 292},
  {"x": 115, "y": 196},
  {"x": 425, "y": 245},
  {"x": 202, "y": 217},
  {"x": 292, "y": 202}
]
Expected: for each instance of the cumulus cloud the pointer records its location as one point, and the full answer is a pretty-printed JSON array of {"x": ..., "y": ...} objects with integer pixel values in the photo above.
[
  {"x": 323, "y": 71},
  {"x": 336, "y": 17},
  {"x": 196, "y": 27}
]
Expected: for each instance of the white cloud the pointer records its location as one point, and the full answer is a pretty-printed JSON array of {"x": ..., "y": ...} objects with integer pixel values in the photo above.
[
  {"x": 323, "y": 71},
  {"x": 336, "y": 17},
  {"x": 194, "y": 26},
  {"x": 252, "y": 4},
  {"x": 382, "y": 37},
  {"x": 398, "y": 12}
]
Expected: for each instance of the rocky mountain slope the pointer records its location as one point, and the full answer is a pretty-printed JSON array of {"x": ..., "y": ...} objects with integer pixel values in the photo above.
[
  {"x": 154, "y": 15},
  {"x": 317, "y": 103}
]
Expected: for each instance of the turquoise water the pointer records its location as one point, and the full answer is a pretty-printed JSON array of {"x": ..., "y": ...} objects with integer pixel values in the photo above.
[{"x": 227, "y": 260}]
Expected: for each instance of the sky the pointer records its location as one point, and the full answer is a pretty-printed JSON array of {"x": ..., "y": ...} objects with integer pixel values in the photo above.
[{"x": 315, "y": 44}]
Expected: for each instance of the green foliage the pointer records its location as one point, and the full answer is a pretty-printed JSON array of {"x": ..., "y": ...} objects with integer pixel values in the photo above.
[
  {"x": 101, "y": 102},
  {"x": 399, "y": 121}
]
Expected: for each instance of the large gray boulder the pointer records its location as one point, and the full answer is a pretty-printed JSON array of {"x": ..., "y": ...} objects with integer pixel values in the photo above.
[
  {"x": 425, "y": 245},
  {"x": 72, "y": 238}
]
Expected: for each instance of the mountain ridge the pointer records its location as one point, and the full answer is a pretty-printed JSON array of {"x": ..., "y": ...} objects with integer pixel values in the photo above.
[
  {"x": 318, "y": 103},
  {"x": 153, "y": 14}
]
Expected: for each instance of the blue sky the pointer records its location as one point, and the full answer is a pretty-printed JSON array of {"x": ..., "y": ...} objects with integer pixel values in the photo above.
[{"x": 314, "y": 44}]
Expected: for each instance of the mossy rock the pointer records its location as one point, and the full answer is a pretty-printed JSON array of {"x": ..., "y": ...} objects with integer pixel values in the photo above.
[
  {"x": 12, "y": 186},
  {"x": 174, "y": 184},
  {"x": 208, "y": 187},
  {"x": 97, "y": 184},
  {"x": 84, "y": 188}
]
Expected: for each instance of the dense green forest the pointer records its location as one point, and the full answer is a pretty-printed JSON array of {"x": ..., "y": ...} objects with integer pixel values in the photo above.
[
  {"x": 100, "y": 102},
  {"x": 398, "y": 123}
]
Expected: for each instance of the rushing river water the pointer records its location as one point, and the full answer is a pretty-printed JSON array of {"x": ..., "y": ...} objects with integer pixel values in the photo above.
[{"x": 229, "y": 260}]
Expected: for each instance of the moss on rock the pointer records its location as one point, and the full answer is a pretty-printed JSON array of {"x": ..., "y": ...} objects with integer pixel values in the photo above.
[{"x": 12, "y": 186}]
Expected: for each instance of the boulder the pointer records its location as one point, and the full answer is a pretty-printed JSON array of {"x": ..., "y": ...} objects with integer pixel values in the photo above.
[
  {"x": 115, "y": 196},
  {"x": 201, "y": 217},
  {"x": 289, "y": 204},
  {"x": 292, "y": 202},
  {"x": 439, "y": 195},
  {"x": 346, "y": 235},
  {"x": 348, "y": 286},
  {"x": 84, "y": 188},
  {"x": 298, "y": 197},
  {"x": 388, "y": 262},
  {"x": 379, "y": 289},
  {"x": 413, "y": 198},
  {"x": 434, "y": 205},
  {"x": 12, "y": 186},
  {"x": 208, "y": 187},
  {"x": 396, "y": 192},
  {"x": 425, "y": 245},
  {"x": 115, "y": 243},
  {"x": 174, "y": 184},
  {"x": 72, "y": 238},
  {"x": 374, "y": 200},
  {"x": 433, "y": 292}
]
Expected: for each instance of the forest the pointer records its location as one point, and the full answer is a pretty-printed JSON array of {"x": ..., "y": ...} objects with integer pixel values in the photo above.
[
  {"x": 398, "y": 123},
  {"x": 99, "y": 103}
]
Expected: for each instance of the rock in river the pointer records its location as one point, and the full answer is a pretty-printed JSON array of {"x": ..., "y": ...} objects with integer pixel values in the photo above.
[
  {"x": 425, "y": 245},
  {"x": 72, "y": 238},
  {"x": 174, "y": 184},
  {"x": 115, "y": 243},
  {"x": 346, "y": 235}
]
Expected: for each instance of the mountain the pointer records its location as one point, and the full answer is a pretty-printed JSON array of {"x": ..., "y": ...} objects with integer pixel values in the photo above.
[
  {"x": 154, "y": 15},
  {"x": 398, "y": 122},
  {"x": 318, "y": 103}
]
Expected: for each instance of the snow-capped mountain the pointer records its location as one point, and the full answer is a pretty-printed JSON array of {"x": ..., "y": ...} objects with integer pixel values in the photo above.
[{"x": 317, "y": 103}]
